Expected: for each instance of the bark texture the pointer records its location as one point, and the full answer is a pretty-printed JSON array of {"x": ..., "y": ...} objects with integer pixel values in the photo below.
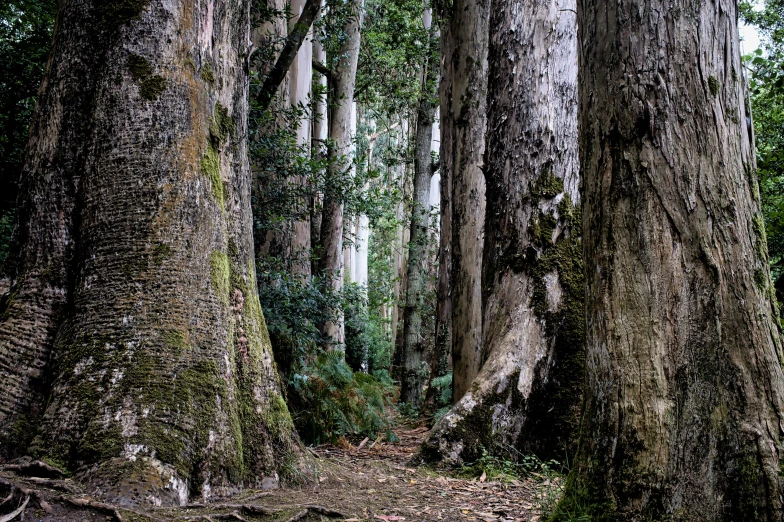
[
  {"x": 527, "y": 394},
  {"x": 440, "y": 362},
  {"x": 340, "y": 123},
  {"x": 414, "y": 356},
  {"x": 468, "y": 31},
  {"x": 137, "y": 184},
  {"x": 684, "y": 391}
]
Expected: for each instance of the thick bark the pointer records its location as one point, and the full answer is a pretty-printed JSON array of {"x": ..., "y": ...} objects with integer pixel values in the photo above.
[
  {"x": 527, "y": 394},
  {"x": 468, "y": 32},
  {"x": 684, "y": 389},
  {"x": 340, "y": 117},
  {"x": 414, "y": 356},
  {"x": 138, "y": 185}
]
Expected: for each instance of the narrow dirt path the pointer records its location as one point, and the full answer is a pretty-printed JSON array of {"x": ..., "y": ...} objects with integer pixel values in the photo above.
[{"x": 371, "y": 482}]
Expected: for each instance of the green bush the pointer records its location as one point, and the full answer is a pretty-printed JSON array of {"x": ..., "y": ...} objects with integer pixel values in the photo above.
[{"x": 330, "y": 400}]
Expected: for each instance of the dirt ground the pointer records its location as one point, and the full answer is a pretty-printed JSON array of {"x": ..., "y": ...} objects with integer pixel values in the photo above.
[{"x": 371, "y": 481}]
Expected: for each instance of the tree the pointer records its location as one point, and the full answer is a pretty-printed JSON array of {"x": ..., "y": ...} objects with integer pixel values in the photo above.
[
  {"x": 414, "y": 353},
  {"x": 340, "y": 116},
  {"x": 527, "y": 394},
  {"x": 132, "y": 342},
  {"x": 468, "y": 23},
  {"x": 684, "y": 390}
]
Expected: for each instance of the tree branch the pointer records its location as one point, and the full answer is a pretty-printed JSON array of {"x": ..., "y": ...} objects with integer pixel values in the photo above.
[
  {"x": 289, "y": 52},
  {"x": 324, "y": 70}
]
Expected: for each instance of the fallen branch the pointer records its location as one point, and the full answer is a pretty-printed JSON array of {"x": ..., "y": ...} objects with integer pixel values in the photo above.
[{"x": 298, "y": 516}]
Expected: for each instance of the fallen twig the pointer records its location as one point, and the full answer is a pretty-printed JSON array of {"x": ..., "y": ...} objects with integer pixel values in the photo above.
[{"x": 298, "y": 516}]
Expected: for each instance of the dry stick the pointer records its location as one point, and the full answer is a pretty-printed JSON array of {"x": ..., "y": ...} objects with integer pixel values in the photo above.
[
  {"x": 327, "y": 512},
  {"x": 289, "y": 51},
  {"x": 13, "y": 515}
]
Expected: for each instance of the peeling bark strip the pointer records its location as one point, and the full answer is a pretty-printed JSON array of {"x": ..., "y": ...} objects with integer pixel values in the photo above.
[
  {"x": 134, "y": 263},
  {"x": 527, "y": 394},
  {"x": 684, "y": 389},
  {"x": 469, "y": 33}
]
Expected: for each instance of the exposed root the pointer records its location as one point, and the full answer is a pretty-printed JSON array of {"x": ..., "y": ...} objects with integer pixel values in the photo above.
[
  {"x": 317, "y": 510},
  {"x": 34, "y": 468},
  {"x": 14, "y": 514}
]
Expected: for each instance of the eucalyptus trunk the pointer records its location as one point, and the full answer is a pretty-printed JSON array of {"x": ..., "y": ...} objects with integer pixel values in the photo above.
[
  {"x": 468, "y": 31},
  {"x": 414, "y": 349},
  {"x": 440, "y": 362},
  {"x": 133, "y": 341},
  {"x": 341, "y": 100},
  {"x": 684, "y": 392},
  {"x": 527, "y": 394}
]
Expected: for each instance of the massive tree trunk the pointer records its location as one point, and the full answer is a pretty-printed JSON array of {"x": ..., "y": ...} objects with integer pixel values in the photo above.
[
  {"x": 684, "y": 391},
  {"x": 133, "y": 281},
  {"x": 527, "y": 394},
  {"x": 468, "y": 31},
  {"x": 414, "y": 356},
  {"x": 340, "y": 116}
]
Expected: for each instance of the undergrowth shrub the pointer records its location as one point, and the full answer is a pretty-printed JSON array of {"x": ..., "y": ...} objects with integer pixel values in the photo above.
[{"x": 329, "y": 400}]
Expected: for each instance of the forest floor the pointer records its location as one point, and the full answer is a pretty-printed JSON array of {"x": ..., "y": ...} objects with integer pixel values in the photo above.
[{"x": 371, "y": 481}]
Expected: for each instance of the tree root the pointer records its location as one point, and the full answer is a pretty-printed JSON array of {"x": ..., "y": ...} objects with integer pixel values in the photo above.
[
  {"x": 317, "y": 510},
  {"x": 14, "y": 514}
]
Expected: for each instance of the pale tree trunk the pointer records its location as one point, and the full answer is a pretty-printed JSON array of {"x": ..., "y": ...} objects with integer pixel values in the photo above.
[
  {"x": 684, "y": 389},
  {"x": 413, "y": 357},
  {"x": 136, "y": 217},
  {"x": 401, "y": 242},
  {"x": 527, "y": 394},
  {"x": 320, "y": 133},
  {"x": 468, "y": 32},
  {"x": 301, "y": 78},
  {"x": 340, "y": 118}
]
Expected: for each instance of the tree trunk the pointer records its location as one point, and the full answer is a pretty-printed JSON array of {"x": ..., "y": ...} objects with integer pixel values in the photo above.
[
  {"x": 341, "y": 101},
  {"x": 136, "y": 233},
  {"x": 320, "y": 133},
  {"x": 684, "y": 389},
  {"x": 301, "y": 74},
  {"x": 414, "y": 356},
  {"x": 527, "y": 394},
  {"x": 443, "y": 334},
  {"x": 468, "y": 31}
]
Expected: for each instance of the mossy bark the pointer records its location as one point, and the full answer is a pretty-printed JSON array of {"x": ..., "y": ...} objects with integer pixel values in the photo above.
[
  {"x": 527, "y": 394},
  {"x": 163, "y": 385},
  {"x": 684, "y": 397}
]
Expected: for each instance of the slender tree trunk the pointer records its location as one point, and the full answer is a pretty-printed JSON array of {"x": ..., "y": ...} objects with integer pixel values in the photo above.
[
  {"x": 527, "y": 394},
  {"x": 301, "y": 74},
  {"x": 341, "y": 101},
  {"x": 414, "y": 357},
  {"x": 320, "y": 133},
  {"x": 137, "y": 186},
  {"x": 468, "y": 32},
  {"x": 443, "y": 335},
  {"x": 684, "y": 392}
]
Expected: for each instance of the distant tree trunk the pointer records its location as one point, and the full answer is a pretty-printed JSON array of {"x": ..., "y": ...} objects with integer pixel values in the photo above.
[
  {"x": 320, "y": 133},
  {"x": 341, "y": 102},
  {"x": 301, "y": 74},
  {"x": 468, "y": 31},
  {"x": 134, "y": 289},
  {"x": 413, "y": 356},
  {"x": 527, "y": 394},
  {"x": 684, "y": 399},
  {"x": 443, "y": 324}
]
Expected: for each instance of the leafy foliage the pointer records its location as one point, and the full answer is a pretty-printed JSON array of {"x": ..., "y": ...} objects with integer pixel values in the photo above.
[{"x": 330, "y": 400}]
